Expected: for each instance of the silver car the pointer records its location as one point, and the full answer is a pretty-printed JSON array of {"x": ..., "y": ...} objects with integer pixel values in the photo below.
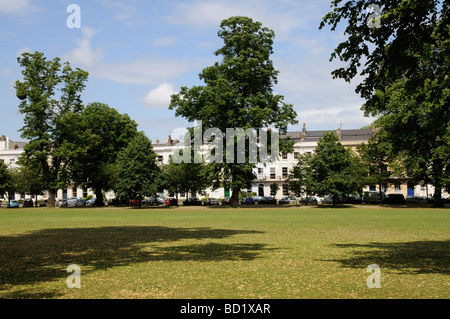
[{"x": 76, "y": 202}]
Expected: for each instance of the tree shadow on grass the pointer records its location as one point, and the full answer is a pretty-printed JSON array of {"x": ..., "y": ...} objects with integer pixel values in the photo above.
[
  {"x": 417, "y": 257},
  {"x": 44, "y": 255}
]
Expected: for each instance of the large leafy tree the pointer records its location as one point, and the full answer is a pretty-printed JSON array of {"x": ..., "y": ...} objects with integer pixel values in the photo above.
[
  {"x": 185, "y": 177},
  {"x": 375, "y": 156},
  {"x": 137, "y": 170},
  {"x": 299, "y": 179},
  {"x": 404, "y": 62},
  {"x": 238, "y": 93},
  {"x": 48, "y": 91},
  {"x": 333, "y": 169},
  {"x": 98, "y": 134}
]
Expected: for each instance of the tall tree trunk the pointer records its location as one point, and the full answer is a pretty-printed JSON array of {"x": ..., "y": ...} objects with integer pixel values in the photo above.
[
  {"x": 52, "y": 198},
  {"x": 99, "y": 200},
  {"x": 438, "y": 195},
  {"x": 235, "y": 197},
  {"x": 381, "y": 193}
]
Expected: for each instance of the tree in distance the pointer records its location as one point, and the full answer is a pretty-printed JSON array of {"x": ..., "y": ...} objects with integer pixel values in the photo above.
[{"x": 137, "y": 170}]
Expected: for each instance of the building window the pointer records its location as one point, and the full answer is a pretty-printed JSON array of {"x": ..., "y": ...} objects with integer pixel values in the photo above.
[
  {"x": 260, "y": 170},
  {"x": 285, "y": 156},
  {"x": 272, "y": 173},
  {"x": 285, "y": 172},
  {"x": 398, "y": 186},
  {"x": 285, "y": 190},
  {"x": 373, "y": 188},
  {"x": 261, "y": 190},
  {"x": 160, "y": 158},
  {"x": 296, "y": 155}
]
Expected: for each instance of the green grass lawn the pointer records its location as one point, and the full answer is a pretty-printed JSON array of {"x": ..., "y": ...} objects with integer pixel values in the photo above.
[{"x": 225, "y": 253}]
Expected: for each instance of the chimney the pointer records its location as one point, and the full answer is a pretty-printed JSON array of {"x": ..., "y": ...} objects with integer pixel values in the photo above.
[
  {"x": 169, "y": 141},
  {"x": 339, "y": 133},
  {"x": 157, "y": 141},
  {"x": 303, "y": 135},
  {"x": 7, "y": 143}
]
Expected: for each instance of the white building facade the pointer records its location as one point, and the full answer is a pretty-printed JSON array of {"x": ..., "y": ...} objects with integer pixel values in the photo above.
[{"x": 305, "y": 141}]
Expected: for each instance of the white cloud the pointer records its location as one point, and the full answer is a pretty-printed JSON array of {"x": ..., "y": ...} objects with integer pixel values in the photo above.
[
  {"x": 319, "y": 99},
  {"x": 159, "y": 97},
  {"x": 126, "y": 11},
  {"x": 18, "y": 7},
  {"x": 273, "y": 14},
  {"x": 84, "y": 54},
  {"x": 148, "y": 70}
]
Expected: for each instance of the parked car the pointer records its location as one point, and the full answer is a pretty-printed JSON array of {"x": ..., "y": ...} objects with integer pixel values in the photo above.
[
  {"x": 309, "y": 200},
  {"x": 210, "y": 201},
  {"x": 248, "y": 201},
  {"x": 171, "y": 202},
  {"x": 416, "y": 199},
  {"x": 267, "y": 201},
  {"x": 395, "y": 199},
  {"x": 327, "y": 200},
  {"x": 226, "y": 201},
  {"x": 117, "y": 202},
  {"x": 192, "y": 201},
  {"x": 43, "y": 203},
  {"x": 256, "y": 199},
  {"x": 135, "y": 202},
  {"x": 91, "y": 202},
  {"x": 76, "y": 202},
  {"x": 28, "y": 202},
  {"x": 13, "y": 204},
  {"x": 353, "y": 199},
  {"x": 287, "y": 200},
  {"x": 62, "y": 203},
  {"x": 154, "y": 201}
]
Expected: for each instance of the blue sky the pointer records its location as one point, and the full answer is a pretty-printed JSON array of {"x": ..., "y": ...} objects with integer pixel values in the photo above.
[{"x": 139, "y": 52}]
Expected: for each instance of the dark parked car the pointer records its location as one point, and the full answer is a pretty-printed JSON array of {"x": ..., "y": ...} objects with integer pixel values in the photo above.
[
  {"x": 309, "y": 200},
  {"x": 43, "y": 203},
  {"x": 416, "y": 199},
  {"x": 192, "y": 201},
  {"x": 287, "y": 200},
  {"x": 62, "y": 203},
  {"x": 154, "y": 201},
  {"x": 248, "y": 201},
  {"x": 117, "y": 202},
  {"x": 267, "y": 201},
  {"x": 210, "y": 201},
  {"x": 28, "y": 202},
  {"x": 226, "y": 201},
  {"x": 395, "y": 199},
  {"x": 256, "y": 199},
  {"x": 171, "y": 202}
]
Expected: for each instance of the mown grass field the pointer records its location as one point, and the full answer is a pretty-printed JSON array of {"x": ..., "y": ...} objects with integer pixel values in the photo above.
[{"x": 225, "y": 253}]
